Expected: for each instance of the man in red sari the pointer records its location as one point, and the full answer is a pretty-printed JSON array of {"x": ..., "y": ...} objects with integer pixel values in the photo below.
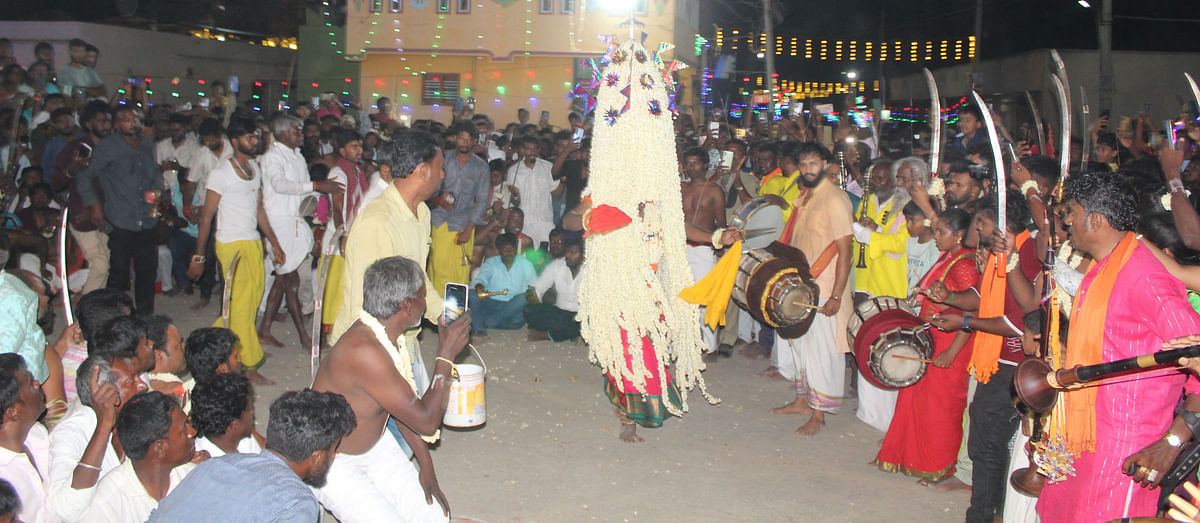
[
  {"x": 926, "y": 430},
  {"x": 1127, "y": 305}
]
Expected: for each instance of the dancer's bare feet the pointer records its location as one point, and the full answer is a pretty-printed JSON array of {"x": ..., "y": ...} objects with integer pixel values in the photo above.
[
  {"x": 629, "y": 433},
  {"x": 949, "y": 484},
  {"x": 267, "y": 339},
  {"x": 814, "y": 424},
  {"x": 258, "y": 379},
  {"x": 797, "y": 406},
  {"x": 770, "y": 373}
]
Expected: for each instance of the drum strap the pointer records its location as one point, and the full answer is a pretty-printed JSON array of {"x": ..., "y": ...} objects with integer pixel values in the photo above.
[{"x": 823, "y": 260}]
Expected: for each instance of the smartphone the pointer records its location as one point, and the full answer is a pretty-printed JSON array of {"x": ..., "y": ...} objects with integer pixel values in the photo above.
[
  {"x": 205, "y": 103},
  {"x": 545, "y": 116},
  {"x": 739, "y": 133},
  {"x": 482, "y": 139},
  {"x": 713, "y": 126},
  {"x": 458, "y": 105},
  {"x": 797, "y": 108},
  {"x": 456, "y": 301},
  {"x": 726, "y": 160},
  {"x": 578, "y": 137},
  {"x": 471, "y": 103},
  {"x": 85, "y": 150},
  {"x": 544, "y": 246}
]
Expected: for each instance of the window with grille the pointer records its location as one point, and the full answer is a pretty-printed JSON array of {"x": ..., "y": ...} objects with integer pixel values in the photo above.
[
  {"x": 439, "y": 88},
  {"x": 397, "y": 6},
  {"x": 375, "y": 6},
  {"x": 568, "y": 6}
]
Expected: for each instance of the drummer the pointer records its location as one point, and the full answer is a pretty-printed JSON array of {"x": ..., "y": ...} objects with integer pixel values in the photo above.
[
  {"x": 997, "y": 348},
  {"x": 703, "y": 213}
]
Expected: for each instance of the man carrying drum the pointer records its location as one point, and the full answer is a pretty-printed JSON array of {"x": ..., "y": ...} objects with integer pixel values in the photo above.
[{"x": 820, "y": 227}]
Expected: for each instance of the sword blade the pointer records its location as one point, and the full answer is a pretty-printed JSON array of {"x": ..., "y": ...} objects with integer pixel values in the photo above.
[
  {"x": 1083, "y": 126},
  {"x": 1195, "y": 89},
  {"x": 1037, "y": 123},
  {"x": 998, "y": 160},
  {"x": 1063, "y": 86},
  {"x": 935, "y": 123},
  {"x": 62, "y": 268},
  {"x": 227, "y": 292}
]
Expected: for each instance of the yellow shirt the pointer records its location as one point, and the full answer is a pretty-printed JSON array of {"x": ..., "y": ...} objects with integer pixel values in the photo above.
[
  {"x": 783, "y": 187},
  {"x": 886, "y": 273},
  {"x": 385, "y": 227}
]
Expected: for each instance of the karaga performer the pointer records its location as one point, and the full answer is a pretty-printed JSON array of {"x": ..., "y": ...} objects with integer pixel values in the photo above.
[{"x": 636, "y": 266}]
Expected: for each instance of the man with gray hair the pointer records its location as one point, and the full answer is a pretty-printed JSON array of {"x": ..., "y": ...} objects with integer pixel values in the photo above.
[
  {"x": 286, "y": 191},
  {"x": 373, "y": 479},
  {"x": 81, "y": 448}
]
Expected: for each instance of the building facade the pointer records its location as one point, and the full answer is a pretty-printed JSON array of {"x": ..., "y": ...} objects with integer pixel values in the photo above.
[{"x": 427, "y": 56}]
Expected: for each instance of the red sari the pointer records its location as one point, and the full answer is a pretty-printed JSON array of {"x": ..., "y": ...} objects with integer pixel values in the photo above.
[{"x": 926, "y": 431}]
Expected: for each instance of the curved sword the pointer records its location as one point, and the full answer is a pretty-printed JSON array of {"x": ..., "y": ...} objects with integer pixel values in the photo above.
[
  {"x": 1063, "y": 86},
  {"x": 62, "y": 268},
  {"x": 1039, "y": 129},
  {"x": 227, "y": 292},
  {"x": 1087, "y": 139},
  {"x": 1001, "y": 176},
  {"x": 319, "y": 299},
  {"x": 935, "y": 123},
  {"x": 1195, "y": 89}
]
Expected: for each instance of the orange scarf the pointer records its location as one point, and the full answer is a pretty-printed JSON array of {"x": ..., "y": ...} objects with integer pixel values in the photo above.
[
  {"x": 1074, "y": 415},
  {"x": 985, "y": 353}
]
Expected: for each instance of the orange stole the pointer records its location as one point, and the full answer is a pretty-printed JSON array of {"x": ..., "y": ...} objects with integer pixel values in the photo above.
[
  {"x": 985, "y": 352},
  {"x": 1075, "y": 412}
]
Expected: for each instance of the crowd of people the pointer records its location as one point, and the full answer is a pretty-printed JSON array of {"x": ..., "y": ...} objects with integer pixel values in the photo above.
[{"x": 123, "y": 417}]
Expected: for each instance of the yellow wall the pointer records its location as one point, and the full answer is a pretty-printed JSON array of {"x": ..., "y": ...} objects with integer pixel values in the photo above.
[
  {"x": 384, "y": 75},
  {"x": 495, "y": 30}
]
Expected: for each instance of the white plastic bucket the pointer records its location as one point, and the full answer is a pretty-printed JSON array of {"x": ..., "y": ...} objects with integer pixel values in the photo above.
[{"x": 467, "y": 406}]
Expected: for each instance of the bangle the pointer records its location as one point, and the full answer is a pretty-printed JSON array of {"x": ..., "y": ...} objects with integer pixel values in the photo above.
[
  {"x": 453, "y": 367},
  {"x": 716, "y": 238},
  {"x": 86, "y": 466},
  {"x": 1029, "y": 184},
  {"x": 198, "y": 258},
  {"x": 835, "y": 298}
]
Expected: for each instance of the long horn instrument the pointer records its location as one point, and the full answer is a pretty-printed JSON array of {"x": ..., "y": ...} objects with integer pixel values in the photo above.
[{"x": 1037, "y": 384}]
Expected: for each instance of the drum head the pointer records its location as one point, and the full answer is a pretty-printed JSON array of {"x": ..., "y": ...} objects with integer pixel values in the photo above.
[
  {"x": 871, "y": 332},
  {"x": 762, "y": 222},
  {"x": 895, "y": 362},
  {"x": 788, "y": 300},
  {"x": 872, "y": 306}
]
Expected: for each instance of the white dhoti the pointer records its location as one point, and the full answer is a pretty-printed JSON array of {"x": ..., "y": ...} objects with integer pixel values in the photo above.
[
  {"x": 295, "y": 238},
  {"x": 818, "y": 368},
  {"x": 1018, "y": 508},
  {"x": 380, "y": 484},
  {"x": 876, "y": 406},
  {"x": 701, "y": 259},
  {"x": 964, "y": 468}
]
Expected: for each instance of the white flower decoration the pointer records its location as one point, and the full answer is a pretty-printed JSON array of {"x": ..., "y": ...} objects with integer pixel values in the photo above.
[
  {"x": 1165, "y": 200},
  {"x": 937, "y": 187}
]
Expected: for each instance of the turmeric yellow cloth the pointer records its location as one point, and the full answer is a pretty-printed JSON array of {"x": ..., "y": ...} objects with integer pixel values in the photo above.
[{"x": 714, "y": 289}]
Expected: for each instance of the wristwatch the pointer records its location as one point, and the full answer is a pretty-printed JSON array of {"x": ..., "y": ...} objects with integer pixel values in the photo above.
[
  {"x": 966, "y": 323},
  {"x": 1173, "y": 440}
]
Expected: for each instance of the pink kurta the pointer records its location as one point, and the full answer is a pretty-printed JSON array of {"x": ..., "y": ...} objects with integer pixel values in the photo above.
[{"x": 1148, "y": 306}]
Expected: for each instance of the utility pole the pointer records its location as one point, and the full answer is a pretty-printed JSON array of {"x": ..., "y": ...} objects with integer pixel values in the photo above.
[
  {"x": 769, "y": 52},
  {"x": 1106, "y": 69}
]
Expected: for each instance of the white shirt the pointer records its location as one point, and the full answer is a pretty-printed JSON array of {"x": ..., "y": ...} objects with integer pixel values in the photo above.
[
  {"x": 202, "y": 161},
  {"x": 534, "y": 186},
  {"x": 165, "y": 150},
  {"x": 67, "y": 443},
  {"x": 30, "y": 475},
  {"x": 374, "y": 190},
  {"x": 921, "y": 257},
  {"x": 121, "y": 497},
  {"x": 285, "y": 180},
  {"x": 558, "y": 275},
  {"x": 237, "y": 213},
  {"x": 248, "y": 445}
]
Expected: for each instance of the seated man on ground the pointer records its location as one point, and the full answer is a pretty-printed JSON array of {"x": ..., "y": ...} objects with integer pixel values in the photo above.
[
  {"x": 372, "y": 479},
  {"x": 223, "y": 415},
  {"x": 159, "y": 447},
  {"x": 169, "y": 364},
  {"x": 24, "y": 443},
  {"x": 209, "y": 351},
  {"x": 505, "y": 278},
  {"x": 556, "y": 321},
  {"x": 93, "y": 310},
  {"x": 81, "y": 445},
  {"x": 304, "y": 433},
  {"x": 125, "y": 337}
]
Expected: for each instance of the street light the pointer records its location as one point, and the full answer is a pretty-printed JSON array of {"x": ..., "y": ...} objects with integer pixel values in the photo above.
[
  {"x": 851, "y": 75},
  {"x": 1085, "y": 4}
]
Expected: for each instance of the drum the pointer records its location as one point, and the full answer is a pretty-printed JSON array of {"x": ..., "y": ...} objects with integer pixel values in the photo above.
[
  {"x": 774, "y": 286},
  {"x": 890, "y": 343},
  {"x": 761, "y": 221}
]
